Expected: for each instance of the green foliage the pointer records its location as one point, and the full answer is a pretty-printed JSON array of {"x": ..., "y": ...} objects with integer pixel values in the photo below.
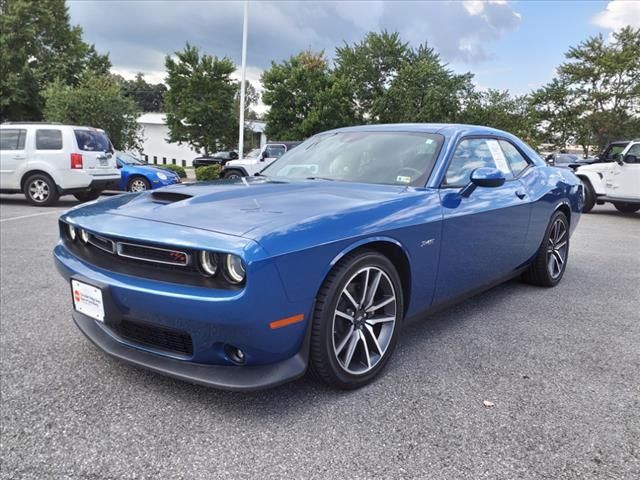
[
  {"x": 148, "y": 96},
  {"x": 210, "y": 172},
  {"x": 200, "y": 101},
  {"x": 174, "y": 168},
  {"x": 96, "y": 102},
  {"x": 596, "y": 96},
  {"x": 305, "y": 97},
  {"x": 38, "y": 46},
  {"x": 369, "y": 68}
]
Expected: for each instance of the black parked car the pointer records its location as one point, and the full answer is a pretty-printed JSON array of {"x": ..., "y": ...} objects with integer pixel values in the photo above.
[
  {"x": 218, "y": 158},
  {"x": 566, "y": 160}
]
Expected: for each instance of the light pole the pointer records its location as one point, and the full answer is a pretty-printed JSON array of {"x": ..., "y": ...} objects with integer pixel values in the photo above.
[{"x": 244, "y": 78}]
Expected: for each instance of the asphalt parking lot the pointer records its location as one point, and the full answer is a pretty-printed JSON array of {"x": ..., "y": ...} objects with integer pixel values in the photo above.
[{"x": 561, "y": 366}]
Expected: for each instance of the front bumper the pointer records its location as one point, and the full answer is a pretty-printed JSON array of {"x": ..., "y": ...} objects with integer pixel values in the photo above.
[{"x": 236, "y": 378}]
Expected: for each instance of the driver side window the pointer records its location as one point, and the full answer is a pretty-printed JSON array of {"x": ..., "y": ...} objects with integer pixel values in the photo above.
[{"x": 475, "y": 153}]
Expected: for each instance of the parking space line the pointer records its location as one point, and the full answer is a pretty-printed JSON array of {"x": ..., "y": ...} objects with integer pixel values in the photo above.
[{"x": 2, "y": 220}]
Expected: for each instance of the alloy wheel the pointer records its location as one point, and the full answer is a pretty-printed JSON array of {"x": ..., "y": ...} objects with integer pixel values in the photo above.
[
  {"x": 557, "y": 248},
  {"x": 39, "y": 190},
  {"x": 138, "y": 185},
  {"x": 364, "y": 320}
]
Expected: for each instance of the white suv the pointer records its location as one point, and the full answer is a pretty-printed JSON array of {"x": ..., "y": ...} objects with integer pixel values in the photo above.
[
  {"x": 617, "y": 181},
  {"x": 46, "y": 160},
  {"x": 252, "y": 164}
]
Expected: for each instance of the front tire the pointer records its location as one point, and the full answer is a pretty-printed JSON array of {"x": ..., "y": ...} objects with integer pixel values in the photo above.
[
  {"x": 138, "y": 184},
  {"x": 589, "y": 196},
  {"x": 357, "y": 318},
  {"x": 626, "y": 207},
  {"x": 550, "y": 262},
  {"x": 87, "y": 196},
  {"x": 41, "y": 190}
]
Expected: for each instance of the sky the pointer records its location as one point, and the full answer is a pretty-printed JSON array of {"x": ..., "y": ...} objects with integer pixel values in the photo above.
[{"x": 514, "y": 45}]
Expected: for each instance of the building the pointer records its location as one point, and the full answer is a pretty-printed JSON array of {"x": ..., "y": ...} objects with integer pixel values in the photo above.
[{"x": 156, "y": 149}]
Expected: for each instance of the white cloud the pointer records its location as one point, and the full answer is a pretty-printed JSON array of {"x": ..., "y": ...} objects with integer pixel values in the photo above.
[{"x": 619, "y": 14}]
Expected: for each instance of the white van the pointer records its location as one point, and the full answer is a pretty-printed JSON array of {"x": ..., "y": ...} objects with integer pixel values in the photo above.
[{"x": 46, "y": 160}]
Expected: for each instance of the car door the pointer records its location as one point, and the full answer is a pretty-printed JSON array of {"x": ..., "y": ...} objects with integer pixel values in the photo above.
[
  {"x": 483, "y": 235},
  {"x": 623, "y": 180},
  {"x": 13, "y": 157}
]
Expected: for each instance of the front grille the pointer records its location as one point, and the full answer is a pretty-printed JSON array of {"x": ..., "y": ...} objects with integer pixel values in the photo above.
[
  {"x": 162, "y": 338},
  {"x": 153, "y": 254}
]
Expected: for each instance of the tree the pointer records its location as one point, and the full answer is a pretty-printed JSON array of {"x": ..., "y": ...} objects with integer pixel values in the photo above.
[
  {"x": 200, "y": 100},
  {"x": 368, "y": 69},
  {"x": 37, "y": 46},
  {"x": 251, "y": 98},
  {"x": 96, "y": 102},
  {"x": 424, "y": 90},
  {"x": 305, "y": 97},
  {"x": 498, "y": 109},
  {"x": 148, "y": 96},
  {"x": 603, "y": 78}
]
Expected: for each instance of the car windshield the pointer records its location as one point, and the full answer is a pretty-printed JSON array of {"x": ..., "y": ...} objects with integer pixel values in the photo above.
[
  {"x": 253, "y": 153},
  {"x": 129, "y": 159},
  {"x": 93, "y": 141},
  {"x": 396, "y": 158}
]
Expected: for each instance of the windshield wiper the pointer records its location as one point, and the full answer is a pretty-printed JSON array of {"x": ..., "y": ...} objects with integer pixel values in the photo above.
[{"x": 321, "y": 178}]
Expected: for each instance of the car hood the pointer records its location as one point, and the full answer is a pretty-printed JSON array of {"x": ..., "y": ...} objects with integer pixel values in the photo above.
[{"x": 248, "y": 207}]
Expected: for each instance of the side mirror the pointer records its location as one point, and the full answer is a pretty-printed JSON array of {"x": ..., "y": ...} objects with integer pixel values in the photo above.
[
  {"x": 263, "y": 155},
  {"x": 630, "y": 159},
  {"x": 119, "y": 165},
  {"x": 483, "y": 177}
]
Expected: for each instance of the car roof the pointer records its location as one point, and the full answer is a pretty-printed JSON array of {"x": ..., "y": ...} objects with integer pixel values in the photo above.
[
  {"x": 49, "y": 124},
  {"x": 447, "y": 129}
]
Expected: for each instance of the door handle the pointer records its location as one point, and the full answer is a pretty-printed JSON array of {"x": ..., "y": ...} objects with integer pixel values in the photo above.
[
  {"x": 19, "y": 157},
  {"x": 520, "y": 194}
]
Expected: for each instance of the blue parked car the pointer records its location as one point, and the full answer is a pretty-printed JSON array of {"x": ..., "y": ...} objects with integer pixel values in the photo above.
[
  {"x": 318, "y": 262},
  {"x": 138, "y": 176}
]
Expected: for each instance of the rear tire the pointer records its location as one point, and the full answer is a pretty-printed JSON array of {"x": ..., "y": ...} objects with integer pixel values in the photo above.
[
  {"x": 87, "y": 196},
  {"x": 353, "y": 334},
  {"x": 41, "y": 190},
  {"x": 626, "y": 207},
  {"x": 589, "y": 196},
  {"x": 548, "y": 267}
]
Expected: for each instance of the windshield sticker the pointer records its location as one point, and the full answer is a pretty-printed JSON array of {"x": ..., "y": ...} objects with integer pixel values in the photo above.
[
  {"x": 498, "y": 156},
  {"x": 403, "y": 179}
]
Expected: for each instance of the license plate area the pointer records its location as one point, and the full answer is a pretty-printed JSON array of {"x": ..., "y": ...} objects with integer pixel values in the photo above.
[{"x": 88, "y": 300}]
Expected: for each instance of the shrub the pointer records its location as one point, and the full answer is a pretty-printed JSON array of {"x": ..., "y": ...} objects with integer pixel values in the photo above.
[
  {"x": 210, "y": 172},
  {"x": 175, "y": 168}
]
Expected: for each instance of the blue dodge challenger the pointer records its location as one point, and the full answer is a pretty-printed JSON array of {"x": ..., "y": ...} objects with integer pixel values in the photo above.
[{"x": 316, "y": 262}]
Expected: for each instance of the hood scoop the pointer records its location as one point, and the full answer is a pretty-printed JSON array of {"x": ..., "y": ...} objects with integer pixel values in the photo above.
[{"x": 169, "y": 197}]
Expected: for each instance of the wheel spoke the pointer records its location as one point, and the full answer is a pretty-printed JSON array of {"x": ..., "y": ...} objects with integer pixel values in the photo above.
[
  {"x": 561, "y": 244},
  {"x": 366, "y": 348},
  {"x": 373, "y": 289},
  {"x": 558, "y": 258},
  {"x": 364, "y": 288},
  {"x": 350, "y": 297},
  {"x": 355, "y": 338},
  {"x": 561, "y": 232},
  {"x": 344, "y": 341},
  {"x": 369, "y": 329},
  {"x": 375, "y": 321},
  {"x": 383, "y": 303},
  {"x": 346, "y": 316}
]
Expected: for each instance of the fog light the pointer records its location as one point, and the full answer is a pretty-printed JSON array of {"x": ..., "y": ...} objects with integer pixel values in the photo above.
[
  {"x": 72, "y": 232},
  {"x": 84, "y": 235},
  {"x": 235, "y": 354}
]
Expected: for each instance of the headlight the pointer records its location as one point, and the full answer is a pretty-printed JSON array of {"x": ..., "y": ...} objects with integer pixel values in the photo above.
[
  {"x": 161, "y": 176},
  {"x": 71, "y": 230},
  {"x": 208, "y": 262},
  {"x": 84, "y": 235},
  {"x": 234, "y": 269}
]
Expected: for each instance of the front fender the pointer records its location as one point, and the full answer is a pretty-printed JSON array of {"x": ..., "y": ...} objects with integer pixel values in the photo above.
[{"x": 595, "y": 179}]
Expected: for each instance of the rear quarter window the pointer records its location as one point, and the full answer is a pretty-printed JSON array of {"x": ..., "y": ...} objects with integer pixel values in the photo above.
[
  {"x": 92, "y": 141},
  {"x": 48, "y": 139}
]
